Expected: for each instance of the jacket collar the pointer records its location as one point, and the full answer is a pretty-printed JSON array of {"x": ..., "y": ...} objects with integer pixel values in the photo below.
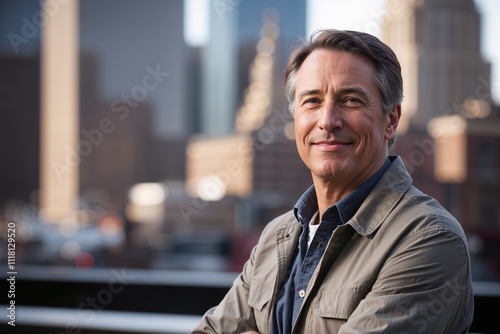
[
  {"x": 345, "y": 209},
  {"x": 383, "y": 198}
]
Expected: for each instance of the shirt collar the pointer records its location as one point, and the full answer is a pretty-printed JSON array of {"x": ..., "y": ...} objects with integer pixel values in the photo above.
[{"x": 307, "y": 205}]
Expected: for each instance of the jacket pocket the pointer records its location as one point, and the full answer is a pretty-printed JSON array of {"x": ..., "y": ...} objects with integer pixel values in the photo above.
[
  {"x": 337, "y": 304},
  {"x": 260, "y": 294}
]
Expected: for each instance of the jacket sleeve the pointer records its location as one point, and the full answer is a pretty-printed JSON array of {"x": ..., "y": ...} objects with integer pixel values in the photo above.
[
  {"x": 424, "y": 286},
  {"x": 233, "y": 314}
]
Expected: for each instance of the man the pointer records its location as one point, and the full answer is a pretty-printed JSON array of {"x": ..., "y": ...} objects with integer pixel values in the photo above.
[{"x": 363, "y": 251}]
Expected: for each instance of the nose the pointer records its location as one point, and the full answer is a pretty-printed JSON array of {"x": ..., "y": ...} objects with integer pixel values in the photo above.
[{"x": 330, "y": 118}]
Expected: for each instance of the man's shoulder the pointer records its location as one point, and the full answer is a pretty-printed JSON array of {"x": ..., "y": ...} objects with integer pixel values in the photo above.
[
  {"x": 409, "y": 204},
  {"x": 282, "y": 227},
  {"x": 427, "y": 213},
  {"x": 283, "y": 221}
]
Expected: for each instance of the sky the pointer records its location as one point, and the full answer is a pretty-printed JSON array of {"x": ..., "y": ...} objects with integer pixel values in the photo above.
[{"x": 362, "y": 15}]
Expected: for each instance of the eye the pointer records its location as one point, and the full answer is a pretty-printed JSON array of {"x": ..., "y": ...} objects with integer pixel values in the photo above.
[
  {"x": 312, "y": 100},
  {"x": 353, "y": 101}
]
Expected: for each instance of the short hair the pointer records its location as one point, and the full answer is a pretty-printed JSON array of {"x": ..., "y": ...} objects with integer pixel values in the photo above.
[{"x": 387, "y": 75}]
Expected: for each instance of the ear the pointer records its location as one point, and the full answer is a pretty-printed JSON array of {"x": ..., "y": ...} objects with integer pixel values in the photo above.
[{"x": 392, "y": 121}]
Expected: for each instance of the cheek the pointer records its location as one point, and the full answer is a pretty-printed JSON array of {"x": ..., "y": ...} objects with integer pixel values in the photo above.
[
  {"x": 302, "y": 127},
  {"x": 368, "y": 128}
]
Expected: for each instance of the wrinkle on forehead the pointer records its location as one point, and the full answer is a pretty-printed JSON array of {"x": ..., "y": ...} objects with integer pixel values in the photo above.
[{"x": 311, "y": 77}]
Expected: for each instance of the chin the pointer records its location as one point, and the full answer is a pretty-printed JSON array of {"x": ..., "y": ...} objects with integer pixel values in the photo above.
[
  {"x": 336, "y": 168},
  {"x": 327, "y": 173}
]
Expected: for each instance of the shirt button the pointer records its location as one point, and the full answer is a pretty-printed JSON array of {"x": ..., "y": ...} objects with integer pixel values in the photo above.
[{"x": 302, "y": 293}]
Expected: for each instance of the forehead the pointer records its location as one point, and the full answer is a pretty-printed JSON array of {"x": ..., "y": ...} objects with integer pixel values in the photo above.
[{"x": 333, "y": 66}]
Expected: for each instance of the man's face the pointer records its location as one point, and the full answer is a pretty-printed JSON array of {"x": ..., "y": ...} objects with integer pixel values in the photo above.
[{"x": 340, "y": 128}]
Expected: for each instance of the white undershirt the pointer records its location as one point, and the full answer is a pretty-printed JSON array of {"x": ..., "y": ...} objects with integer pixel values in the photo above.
[{"x": 312, "y": 229}]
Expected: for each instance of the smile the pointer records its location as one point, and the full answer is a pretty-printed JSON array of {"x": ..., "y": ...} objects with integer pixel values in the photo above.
[{"x": 331, "y": 145}]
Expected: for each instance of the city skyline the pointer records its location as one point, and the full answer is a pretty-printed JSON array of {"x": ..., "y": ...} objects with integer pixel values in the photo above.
[
  {"x": 370, "y": 14},
  {"x": 368, "y": 17}
]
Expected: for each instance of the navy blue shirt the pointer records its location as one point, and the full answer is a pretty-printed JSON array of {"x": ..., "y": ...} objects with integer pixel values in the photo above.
[{"x": 306, "y": 258}]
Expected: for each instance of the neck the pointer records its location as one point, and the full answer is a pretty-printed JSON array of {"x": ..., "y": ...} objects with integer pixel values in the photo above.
[
  {"x": 330, "y": 191},
  {"x": 328, "y": 195}
]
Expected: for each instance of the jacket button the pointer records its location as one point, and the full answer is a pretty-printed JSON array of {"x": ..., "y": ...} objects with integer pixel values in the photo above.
[{"x": 302, "y": 293}]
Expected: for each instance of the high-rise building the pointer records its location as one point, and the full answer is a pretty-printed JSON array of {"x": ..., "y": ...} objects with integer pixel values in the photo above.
[
  {"x": 235, "y": 28},
  {"x": 450, "y": 138},
  {"x": 19, "y": 93},
  {"x": 257, "y": 159},
  {"x": 131, "y": 40},
  {"x": 219, "y": 63},
  {"x": 132, "y": 65},
  {"x": 438, "y": 45}
]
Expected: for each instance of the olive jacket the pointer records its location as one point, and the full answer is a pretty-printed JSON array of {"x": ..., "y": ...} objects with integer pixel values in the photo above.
[{"x": 400, "y": 265}]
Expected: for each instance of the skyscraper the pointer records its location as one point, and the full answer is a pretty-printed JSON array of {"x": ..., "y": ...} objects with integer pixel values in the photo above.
[
  {"x": 437, "y": 43},
  {"x": 450, "y": 138},
  {"x": 235, "y": 28}
]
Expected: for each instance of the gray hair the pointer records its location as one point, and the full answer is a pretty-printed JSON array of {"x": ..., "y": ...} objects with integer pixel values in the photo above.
[{"x": 387, "y": 75}]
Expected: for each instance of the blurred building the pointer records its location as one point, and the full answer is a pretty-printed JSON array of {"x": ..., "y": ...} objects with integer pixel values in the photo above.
[
  {"x": 246, "y": 149},
  {"x": 135, "y": 75},
  {"x": 132, "y": 73},
  {"x": 218, "y": 71},
  {"x": 291, "y": 18},
  {"x": 467, "y": 164},
  {"x": 438, "y": 46},
  {"x": 450, "y": 132},
  {"x": 19, "y": 93},
  {"x": 19, "y": 126},
  {"x": 126, "y": 37},
  {"x": 234, "y": 32},
  {"x": 216, "y": 116}
]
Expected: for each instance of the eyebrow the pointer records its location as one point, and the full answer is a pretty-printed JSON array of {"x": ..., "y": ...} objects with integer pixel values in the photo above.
[
  {"x": 354, "y": 90},
  {"x": 342, "y": 91},
  {"x": 308, "y": 92}
]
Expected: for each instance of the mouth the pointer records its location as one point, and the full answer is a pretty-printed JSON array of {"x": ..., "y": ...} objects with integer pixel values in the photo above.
[{"x": 331, "y": 145}]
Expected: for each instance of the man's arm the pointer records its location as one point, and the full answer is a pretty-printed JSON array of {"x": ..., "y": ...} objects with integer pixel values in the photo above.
[
  {"x": 423, "y": 287},
  {"x": 248, "y": 304},
  {"x": 233, "y": 314}
]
